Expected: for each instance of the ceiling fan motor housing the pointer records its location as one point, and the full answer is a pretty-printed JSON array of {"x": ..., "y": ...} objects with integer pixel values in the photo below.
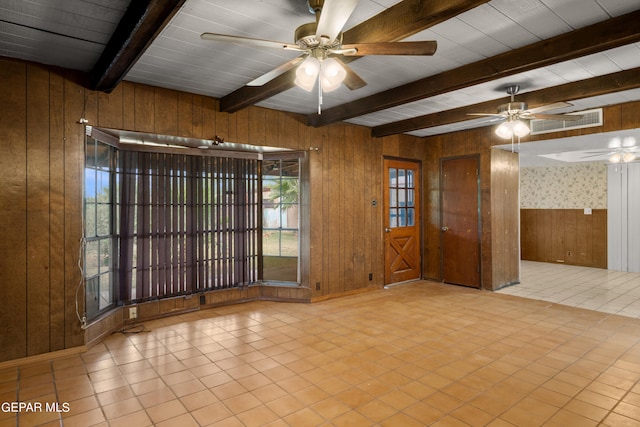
[
  {"x": 306, "y": 38},
  {"x": 512, "y": 107},
  {"x": 305, "y": 35}
]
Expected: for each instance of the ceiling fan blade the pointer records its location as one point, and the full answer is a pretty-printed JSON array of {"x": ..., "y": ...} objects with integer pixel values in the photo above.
[
  {"x": 563, "y": 117},
  {"x": 548, "y": 107},
  {"x": 267, "y": 77},
  {"x": 604, "y": 153},
  {"x": 247, "y": 41},
  {"x": 599, "y": 152},
  {"x": 333, "y": 16},
  {"x": 486, "y": 114},
  {"x": 353, "y": 81},
  {"x": 391, "y": 48}
]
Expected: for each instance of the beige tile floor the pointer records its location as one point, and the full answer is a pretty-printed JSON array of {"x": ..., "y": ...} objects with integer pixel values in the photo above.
[
  {"x": 608, "y": 291},
  {"x": 412, "y": 355}
]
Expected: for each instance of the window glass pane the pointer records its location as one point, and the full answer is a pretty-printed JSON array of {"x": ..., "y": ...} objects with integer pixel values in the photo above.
[
  {"x": 103, "y": 220},
  {"x": 270, "y": 216},
  {"x": 393, "y": 218},
  {"x": 106, "y": 292},
  {"x": 271, "y": 242},
  {"x": 393, "y": 177},
  {"x": 271, "y": 168},
  {"x": 402, "y": 197},
  {"x": 103, "y": 156},
  {"x": 402, "y": 182},
  {"x": 103, "y": 185},
  {"x": 105, "y": 255},
  {"x": 393, "y": 198},
  {"x": 90, "y": 219},
  {"x": 290, "y": 168},
  {"x": 91, "y": 259},
  {"x": 289, "y": 216},
  {"x": 289, "y": 243},
  {"x": 410, "y": 183},
  {"x": 411, "y": 221},
  {"x": 90, "y": 183},
  {"x": 402, "y": 217},
  {"x": 90, "y": 160},
  {"x": 410, "y": 196},
  {"x": 288, "y": 190}
]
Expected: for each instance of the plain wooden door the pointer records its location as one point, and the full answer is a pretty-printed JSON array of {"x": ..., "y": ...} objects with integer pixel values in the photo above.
[
  {"x": 460, "y": 221},
  {"x": 401, "y": 221}
]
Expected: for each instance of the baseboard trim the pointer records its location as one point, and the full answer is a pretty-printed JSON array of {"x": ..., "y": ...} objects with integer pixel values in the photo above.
[{"x": 44, "y": 357}]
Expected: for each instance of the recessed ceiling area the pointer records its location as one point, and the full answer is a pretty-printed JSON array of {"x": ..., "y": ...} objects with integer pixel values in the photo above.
[{"x": 597, "y": 147}]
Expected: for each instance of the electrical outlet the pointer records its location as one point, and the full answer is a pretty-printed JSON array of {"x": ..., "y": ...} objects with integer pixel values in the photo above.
[
  {"x": 133, "y": 312},
  {"x": 370, "y": 276}
]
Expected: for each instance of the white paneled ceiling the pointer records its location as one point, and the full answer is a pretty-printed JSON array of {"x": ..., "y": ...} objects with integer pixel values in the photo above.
[
  {"x": 74, "y": 33},
  {"x": 69, "y": 34}
]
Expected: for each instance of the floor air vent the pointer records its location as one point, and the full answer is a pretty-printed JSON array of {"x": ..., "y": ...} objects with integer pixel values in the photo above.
[{"x": 591, "y": 118}]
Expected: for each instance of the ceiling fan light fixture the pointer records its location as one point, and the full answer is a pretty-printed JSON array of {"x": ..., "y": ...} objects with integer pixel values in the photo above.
[
  {"x": 307, "y": 73},
  {"x": 615, "y": 158},
  {"x": 505, "y": 130},
  {"x": 520, "y": 129},
  {"x": 332, "y": 74},
  {"x": 628, "y": 157}
]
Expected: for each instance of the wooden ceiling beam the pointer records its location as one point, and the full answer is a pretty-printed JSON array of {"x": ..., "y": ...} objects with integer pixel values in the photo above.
[
  {"x": 398, "y": 22},
  {"x": 141, "y": 24},
  {"x": 595, "y": 86},
  {"x": 614, "y": 32},
  {"x": 407, "y": 18}
]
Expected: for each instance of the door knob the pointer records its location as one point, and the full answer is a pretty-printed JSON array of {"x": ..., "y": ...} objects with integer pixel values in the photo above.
[
  {"x": 445, "y": 228},
  {"x": 387, "y": 230}
]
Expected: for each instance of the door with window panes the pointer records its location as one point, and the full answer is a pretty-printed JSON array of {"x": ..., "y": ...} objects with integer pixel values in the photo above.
[{"x": 401, "y": 221}]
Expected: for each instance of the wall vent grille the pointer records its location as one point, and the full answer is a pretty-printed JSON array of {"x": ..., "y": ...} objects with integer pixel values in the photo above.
[{"x": 591, "y": 118}]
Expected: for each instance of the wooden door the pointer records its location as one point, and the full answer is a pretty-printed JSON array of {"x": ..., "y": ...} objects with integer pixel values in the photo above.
[
  {"x": 460, "y": 229},
  {"x": 401, "y": 221}
]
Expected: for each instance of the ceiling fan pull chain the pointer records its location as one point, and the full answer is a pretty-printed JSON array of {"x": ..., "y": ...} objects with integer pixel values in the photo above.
[{"x": 319, "y": 95}]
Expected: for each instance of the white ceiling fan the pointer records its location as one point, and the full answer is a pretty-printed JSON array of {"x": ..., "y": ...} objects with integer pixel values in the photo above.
[
  {"x": 620, "y": 151},
  {"x": 320, "y": 44},
  {"x": 513, "y": 113}
]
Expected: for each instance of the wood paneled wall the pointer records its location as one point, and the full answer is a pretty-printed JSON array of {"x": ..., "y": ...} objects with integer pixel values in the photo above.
[
  {"x": 41, "y": 170},
  {"x": 41, "y": 164},
  {"x": 505, "y": 203},
  {"x": 495, "y": 274},
  {"x": 565, "y": 236}
]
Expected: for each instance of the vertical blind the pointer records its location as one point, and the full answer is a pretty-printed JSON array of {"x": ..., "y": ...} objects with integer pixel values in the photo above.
[{"x": 187, "y": 224}]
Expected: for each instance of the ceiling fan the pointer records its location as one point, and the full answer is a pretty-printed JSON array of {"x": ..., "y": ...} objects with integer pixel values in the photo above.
[
  {"x": 320, "y": 45},
  {"x": 619, "y": 151},
  {"x": 514, "y": 112}
]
